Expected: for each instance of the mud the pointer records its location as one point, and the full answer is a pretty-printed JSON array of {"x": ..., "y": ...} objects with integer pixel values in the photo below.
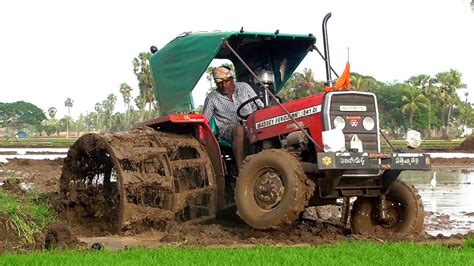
[
  {"x": 130, "y": 182},
  {"x": 322, "y": 228},
  {"x": 8, "y": 239},
  {"x": 467, "y": 144},
  {"x": 58, "y": 236},
  {"x": 39, "y": 175}
]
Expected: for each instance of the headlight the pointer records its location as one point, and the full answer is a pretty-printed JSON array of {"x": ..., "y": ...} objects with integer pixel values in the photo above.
[
  {"x": 339, "y": 122},
  {"x": 368, "y": 123}
]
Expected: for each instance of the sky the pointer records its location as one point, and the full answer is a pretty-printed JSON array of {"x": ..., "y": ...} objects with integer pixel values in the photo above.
[{"x": 52, "y": 50}]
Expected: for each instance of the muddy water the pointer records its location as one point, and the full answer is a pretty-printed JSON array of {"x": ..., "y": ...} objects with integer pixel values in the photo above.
[{"x": 449, "y": 206}]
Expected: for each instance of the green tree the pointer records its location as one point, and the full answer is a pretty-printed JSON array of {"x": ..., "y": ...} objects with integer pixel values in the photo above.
[
  {"x": 51, "y": 125},
  {"x": 364, "y": 83},
  {"x": 68, "y": 104},
  {"x": 389, "y": 99},
  {"x": 209, "y": 77},
  {"x": 413, "y": 100},
  {"x": 301, "y": 85},
  {"x": 19, "y": 115},
  {"x": 108, "y": 106},
  {"x": 425, "y": 84},
  {"x": 52, "y": 112},
  {"x": 125, "y": 90},
  {"x": 141, "y": 68},
  {"x": 99, "y": 111},
  {"x": 448, "y": 82}
]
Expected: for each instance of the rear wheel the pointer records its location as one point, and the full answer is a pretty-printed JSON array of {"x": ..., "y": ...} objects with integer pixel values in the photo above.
[
  {"x": 272, "y": 189},
  {"x": 404, "y": 212}
]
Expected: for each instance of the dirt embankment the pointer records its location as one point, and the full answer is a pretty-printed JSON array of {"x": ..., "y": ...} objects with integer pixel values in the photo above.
[{"x": 467, "y": 145}]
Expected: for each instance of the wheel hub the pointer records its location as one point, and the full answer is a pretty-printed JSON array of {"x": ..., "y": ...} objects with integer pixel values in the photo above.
[
  {"x": 268, "y": 190},
  {"x": 391, "y": 217}
]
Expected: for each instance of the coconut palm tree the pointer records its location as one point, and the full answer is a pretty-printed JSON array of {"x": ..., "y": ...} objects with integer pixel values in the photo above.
[
  {"x": 141, "y": 68},
  {"x": 68, "y": 103},
  {"x": 413, "y": 100},
  {"x": 125, "y": 90},
  {"x": 425, "y": 84},
  {"x": 52, "y": 112},
  {"x": 449, "y": 83},
  {"x": 98, "y": 109},
  {"x": 108, "y": 106}
]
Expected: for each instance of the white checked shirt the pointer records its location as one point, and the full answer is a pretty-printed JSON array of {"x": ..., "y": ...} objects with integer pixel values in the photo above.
[{"x": 224, "y": 110}]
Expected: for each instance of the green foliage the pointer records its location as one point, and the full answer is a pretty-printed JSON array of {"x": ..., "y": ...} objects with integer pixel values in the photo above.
[
  {"x": 301, "y": 85},
  {"x": 413, "y": 101},
  {"x": 469, "y": 243},
  {"x": 38, "y": 143},
  {"x": 340, "y": 254},
  {"x": 27, "y": 214},
  {"x": 141, "y": 68},
  {"x": 389, "y": 103},
  {"x": 365, "y": 83},
  {"x": 19, "y": 115}
]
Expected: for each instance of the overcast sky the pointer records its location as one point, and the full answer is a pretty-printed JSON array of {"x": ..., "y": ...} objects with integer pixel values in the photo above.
[{"x": 52, "y": 50}]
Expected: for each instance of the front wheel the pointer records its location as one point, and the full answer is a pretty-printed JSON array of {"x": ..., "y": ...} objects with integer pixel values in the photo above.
[
  {"x": 404, "y": 213},
  {"x": 272, "y": 189}
]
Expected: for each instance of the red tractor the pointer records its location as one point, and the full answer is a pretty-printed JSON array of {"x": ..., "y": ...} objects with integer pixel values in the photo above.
[{"x": 307, "y": 152}]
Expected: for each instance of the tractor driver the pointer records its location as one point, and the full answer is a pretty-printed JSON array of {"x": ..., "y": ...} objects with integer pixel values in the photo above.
[{"x": 222, "y": 105}]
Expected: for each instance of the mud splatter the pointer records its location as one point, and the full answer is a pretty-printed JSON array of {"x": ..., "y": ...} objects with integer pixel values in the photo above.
[{"x": 130, "y": 182}]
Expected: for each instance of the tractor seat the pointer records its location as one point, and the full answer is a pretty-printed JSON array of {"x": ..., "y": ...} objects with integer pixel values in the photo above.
[{"x": 222, "y": 143}]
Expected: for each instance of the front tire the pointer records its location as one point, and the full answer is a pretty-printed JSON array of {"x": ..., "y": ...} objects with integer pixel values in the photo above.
[
  {"x": 272, "y": 189},
  {"x": 404, "y": 210}
]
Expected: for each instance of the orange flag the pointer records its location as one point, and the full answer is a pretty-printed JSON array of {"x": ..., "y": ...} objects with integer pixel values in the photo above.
[{"x": 344, "y": 81}]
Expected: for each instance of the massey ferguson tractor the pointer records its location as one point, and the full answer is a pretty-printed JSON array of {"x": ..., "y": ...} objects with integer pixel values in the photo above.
[{"x": 318, "y": 150}]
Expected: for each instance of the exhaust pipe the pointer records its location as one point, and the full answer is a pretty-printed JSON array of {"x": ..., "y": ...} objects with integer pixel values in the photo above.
[{"x": 329, "y": 82}]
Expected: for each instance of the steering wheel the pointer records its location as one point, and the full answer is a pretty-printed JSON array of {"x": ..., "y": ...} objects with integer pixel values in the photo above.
[{"x": 253, "y": 99}]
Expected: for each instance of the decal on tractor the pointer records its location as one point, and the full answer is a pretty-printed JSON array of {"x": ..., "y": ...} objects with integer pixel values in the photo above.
[{"x": 285, "y": 118}]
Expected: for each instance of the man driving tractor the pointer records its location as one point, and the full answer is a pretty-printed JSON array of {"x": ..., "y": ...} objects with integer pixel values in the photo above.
[{"x": 222, "y": 105}]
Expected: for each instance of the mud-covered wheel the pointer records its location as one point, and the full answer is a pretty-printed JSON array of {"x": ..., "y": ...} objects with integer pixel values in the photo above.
[
  {"x": 404, "y": 212},
  {"x": 272, "y": 189}
]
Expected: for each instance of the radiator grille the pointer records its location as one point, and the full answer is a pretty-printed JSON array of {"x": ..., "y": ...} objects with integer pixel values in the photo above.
[{"x": 354, "y": 107}]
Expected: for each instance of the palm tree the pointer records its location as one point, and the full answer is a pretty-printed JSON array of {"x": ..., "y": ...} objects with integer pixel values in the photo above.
[
  {"x": 141, "y": 68},
  {"x": 425, "y": 84},
  {"x": 125, "y": 90},
  {"x": 98, "y": 109},
  {"x": 413, "y": 100},
  {"x": 52, "y": 112},
  {"x": 68, "y": 103},
  {"x": 108, "y": 105},
  {"x": 448, "y": 82},
  {"x": 364, "y": 83},
  {"x": 209, "y": 77}
]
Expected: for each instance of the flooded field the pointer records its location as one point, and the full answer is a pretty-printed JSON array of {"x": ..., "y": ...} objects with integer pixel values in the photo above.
[
  {"x": 448, "y": 202},
  {"x": 449, "y": 206}
]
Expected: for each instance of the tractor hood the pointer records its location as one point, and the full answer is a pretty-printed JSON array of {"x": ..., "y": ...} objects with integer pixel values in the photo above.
[{"x": 178, "y": 66}]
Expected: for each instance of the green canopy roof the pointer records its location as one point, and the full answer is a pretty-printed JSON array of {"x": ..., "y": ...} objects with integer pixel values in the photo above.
[{"x": 178, "y": 66}]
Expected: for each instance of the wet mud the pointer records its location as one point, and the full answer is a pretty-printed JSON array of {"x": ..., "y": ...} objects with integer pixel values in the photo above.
[
  {"x": 130, "y": 182},
  {"x": 115, "y": 201}
]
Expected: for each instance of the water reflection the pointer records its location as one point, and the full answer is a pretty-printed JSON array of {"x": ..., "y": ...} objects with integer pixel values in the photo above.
[{"x": 449, "y": 207}]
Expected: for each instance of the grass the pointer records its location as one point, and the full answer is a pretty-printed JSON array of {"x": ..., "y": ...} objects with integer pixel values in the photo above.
[
  {"x": 340, "y": 254},
  {"x": 426, "y": 145},
  {"x": 37, "y": 143},
  {"x": 26, "y": 214}
]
